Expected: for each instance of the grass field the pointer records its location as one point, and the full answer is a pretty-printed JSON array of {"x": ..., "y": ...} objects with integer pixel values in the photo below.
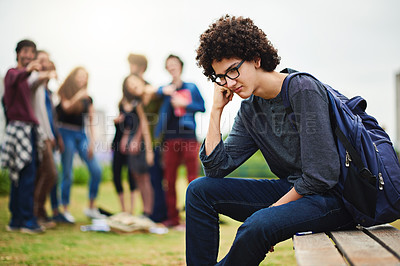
[{"x": 67, "y": 245}]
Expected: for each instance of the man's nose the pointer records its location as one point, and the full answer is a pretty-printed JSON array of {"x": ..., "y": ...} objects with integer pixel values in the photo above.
[{"x": 230, "y": 83}]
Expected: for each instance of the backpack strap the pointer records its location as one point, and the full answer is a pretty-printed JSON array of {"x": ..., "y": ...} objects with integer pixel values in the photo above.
[
  {"x": 352, "y": 153},
  {"x": 285, "y": 93}
]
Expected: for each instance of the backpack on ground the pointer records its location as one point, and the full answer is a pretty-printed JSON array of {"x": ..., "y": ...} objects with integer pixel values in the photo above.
[{"x": 369, "y": 167}]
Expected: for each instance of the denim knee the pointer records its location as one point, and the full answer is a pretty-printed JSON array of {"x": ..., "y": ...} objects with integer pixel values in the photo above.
[
  {"x": 197, "y": 188},
  {"x": 192, "y": 189}
]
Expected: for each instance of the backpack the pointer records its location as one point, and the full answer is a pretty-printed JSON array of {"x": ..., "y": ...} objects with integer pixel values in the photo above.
[{"x": 369, "y": 179}]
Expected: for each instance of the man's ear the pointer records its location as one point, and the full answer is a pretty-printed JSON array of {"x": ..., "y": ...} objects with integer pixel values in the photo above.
[{"x": 257, "y": 62}]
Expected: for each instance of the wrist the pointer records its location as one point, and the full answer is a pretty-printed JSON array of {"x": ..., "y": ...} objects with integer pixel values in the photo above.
[{"x": 217, "y": 109}]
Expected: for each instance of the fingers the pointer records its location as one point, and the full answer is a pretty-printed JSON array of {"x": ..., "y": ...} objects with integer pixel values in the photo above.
[
  {"x": 169, "y": 90},
  {"x": 52, "y": 74},
  {"x": 225, "y": 91},
  {"x": 34, "y": 66},
  {"x": 90, "y": 153}
]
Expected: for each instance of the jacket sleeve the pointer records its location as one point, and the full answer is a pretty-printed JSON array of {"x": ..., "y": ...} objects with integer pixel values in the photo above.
[
  {"x": 230, "y": 154},
  {"x": 197, "y": 104},
  {"x": 319, "y": 156},
  {"x": 14, "y": 76}
]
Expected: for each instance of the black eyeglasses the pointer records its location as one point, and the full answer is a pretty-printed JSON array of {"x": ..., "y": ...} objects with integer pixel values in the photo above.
[{"x": 232, "y": 74}]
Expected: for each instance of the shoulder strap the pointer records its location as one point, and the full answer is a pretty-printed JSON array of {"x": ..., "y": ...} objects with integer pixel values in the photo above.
[
  {"x": 285, "y": 93},
  {"x": 354, "y": 156}
]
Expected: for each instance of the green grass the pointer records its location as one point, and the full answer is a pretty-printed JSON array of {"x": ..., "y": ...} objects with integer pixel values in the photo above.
[{"x": 67, "y": 245}]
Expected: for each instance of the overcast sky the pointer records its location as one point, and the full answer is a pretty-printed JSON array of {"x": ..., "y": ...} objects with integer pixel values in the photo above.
[{"x": 352, "y": 45}]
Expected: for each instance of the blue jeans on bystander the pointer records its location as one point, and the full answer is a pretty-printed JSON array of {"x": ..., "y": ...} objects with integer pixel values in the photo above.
[
  {"x": 76, "y": 141},
  {"x": 21, "y": 194}
]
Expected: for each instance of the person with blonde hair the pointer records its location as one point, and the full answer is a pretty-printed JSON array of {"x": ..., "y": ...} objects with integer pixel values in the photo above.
[{"x": 75, "y": 104}]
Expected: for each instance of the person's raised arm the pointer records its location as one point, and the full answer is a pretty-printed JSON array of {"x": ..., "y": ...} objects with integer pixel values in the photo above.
[
  {"x": 42, "y": 77},
  {"x": 221, "y": 98},
  {"x": 68, "y": 105}
]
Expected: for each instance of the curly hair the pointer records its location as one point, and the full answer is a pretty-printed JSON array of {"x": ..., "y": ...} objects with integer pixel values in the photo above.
[{"x": 232, "y": 37}]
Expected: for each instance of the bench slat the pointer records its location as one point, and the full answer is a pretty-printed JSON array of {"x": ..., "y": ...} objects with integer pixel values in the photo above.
[
  {"x": 316, "y": 249},
  {"x": 360, "y": 249},
  {"x": 387, "y": 234}
]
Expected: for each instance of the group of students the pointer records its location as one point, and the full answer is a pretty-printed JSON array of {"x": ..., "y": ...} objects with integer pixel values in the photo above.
[
  {"x": 35, "y": 128},
  {"x": 239, "y": 58},
  {"x": 154, "y": 133},
  {"x": 152, "y": 130}
]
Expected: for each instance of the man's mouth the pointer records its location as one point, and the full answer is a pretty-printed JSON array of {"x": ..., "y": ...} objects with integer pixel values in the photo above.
[{"x": 237, "y": 90}]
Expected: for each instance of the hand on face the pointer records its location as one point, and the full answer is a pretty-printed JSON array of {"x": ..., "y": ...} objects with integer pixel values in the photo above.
[{"x": 222, "y": 96}]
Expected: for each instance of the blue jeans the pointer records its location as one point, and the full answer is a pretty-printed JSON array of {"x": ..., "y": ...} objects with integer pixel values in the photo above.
[
  {"x": 55, "y": 191},
  {"x": 76, "y": 141},
  {"x": 247, "y": 200},
  {"x": 21, "y": 194},
  {"x": 157, "y": 175}
]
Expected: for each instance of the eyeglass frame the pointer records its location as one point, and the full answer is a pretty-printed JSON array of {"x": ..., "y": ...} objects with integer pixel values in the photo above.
[{"x": 214, "y": 77}]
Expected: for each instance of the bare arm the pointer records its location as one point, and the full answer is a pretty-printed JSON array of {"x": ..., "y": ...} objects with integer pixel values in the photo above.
[
  {"x": 148, "y": 95},
  {"x": 91, "y": 131},
  {"x": 43, "y": 76},
  {"x": 146, "y": 134},
  {"x": 68, "y": 105},
  {"x": 221, "y": 98}
]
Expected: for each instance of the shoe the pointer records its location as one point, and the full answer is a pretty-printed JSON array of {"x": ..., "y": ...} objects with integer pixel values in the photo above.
[
  {"x": 94, "y": 214},
  {"x": 170, "y": 223},
  {"x": 68, "y": 216},
  {"x": 106, "y": 213},
  {"x": 60, "y": 218},
  {"x": 10, "y": 228},
  {"x": 180, "y": 227},
  {"x": 46, "y": 223},
  {"x": 32, "y": 229}
]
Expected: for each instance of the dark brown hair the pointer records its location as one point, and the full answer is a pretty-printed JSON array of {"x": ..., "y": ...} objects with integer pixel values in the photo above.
[
  {"x": 125, "y": 92},
  {"x": 231, "y": 37},
  {"x": 176, "y": 57},
  {"x": 24, "y": 43}
]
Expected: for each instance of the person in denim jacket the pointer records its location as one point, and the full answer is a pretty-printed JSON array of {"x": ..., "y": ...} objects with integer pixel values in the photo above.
[
  {"x": 177, "y": 129},
  {"x": 237, "y": 56}
]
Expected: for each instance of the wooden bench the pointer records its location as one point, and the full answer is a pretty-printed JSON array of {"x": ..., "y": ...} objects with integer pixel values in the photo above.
[{"x": 377, "y": 245}]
